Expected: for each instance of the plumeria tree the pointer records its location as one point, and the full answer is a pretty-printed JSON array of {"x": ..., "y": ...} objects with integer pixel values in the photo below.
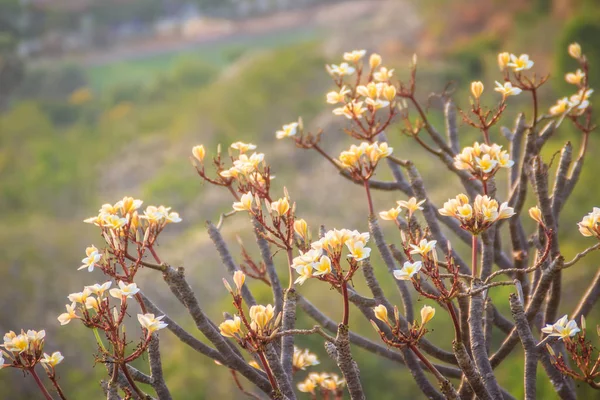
[{"x": 257, "y": 341}]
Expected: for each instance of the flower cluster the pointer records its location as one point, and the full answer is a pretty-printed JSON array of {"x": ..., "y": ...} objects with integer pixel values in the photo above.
[
  {"x": 361, "y": 160},
  {"x": 575, "y": 105},
  {"x": 325, "y": 252},
  {"x": 399, "y": 337},
  {"x": 517, "y": 64},
  {"x": 579, "y": 102},
  {"x": 483, "y": 161},
  {"x": 123, "y": 213},
  {"x": 563, "y": 328},
  {"x": 478, "y": 217},
  {"x": 590, "y": 224},
  {"x": 93, "y": 299},
  {"x": 26, "y": 349},
  {"x": 325, "y": 382}
]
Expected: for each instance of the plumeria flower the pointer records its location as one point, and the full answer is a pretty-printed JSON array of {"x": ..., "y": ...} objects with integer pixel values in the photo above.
[
  {"x": 423, "y": 248},
  {"x": 390, "y": 215},
  {"x": 377, "y": 104},
  {"x": 125, "y": 290},
  {"x": 305, "y": 272},
  {"x": 561, "y": 106},
  {"x": 351, "y": 110},
  {"x": 301, "y": 228},
  {"x": 427, "y": 313},
  {"x": 575, "y": 50},
  {"x": 575, "y": 78},
  {"x": 590, "y": 224},
  {"x": 411, "y": 205},
  {"x": 199, "y": 152},
  {"x": 303, "y": 358},
  {"x": 91, "y": 303},
  {"x": 354, "y": 56},
  {"x": 503, "y": 60},
  {"x": 113, "y": 222},
  {"x": 374, "y": 61},
  {"x": 98, "y": 289},
  {"x": 372, "y": 90},
  {"x": 151, "y": 323},
  {"x": 333, "y": 383},
  {"x": 261, "y": 316},
  {"x": 563, "y": 328},
  {"x": 245, "y": 203},
  {"x": 507, "y": 89},
  {"x": 381, "y": 313},
  {"x": 520, "y": 63},
  {"x": 476, "y": 89},
  {"x": 341, "y": 70},
  {"x": 322, "y": 267},
  {"x": 65, "y": 318},
  {"x": 93, "y": 256},
  {"x": 334, "y": 97},
  {"x": 287, "y": 130},
  {"x": 243, "y": 147},
  {"x": 280, "y": 207},
  {"x": 231, "y": 327},
  {"x": 128, "y": 205},
  {"x": 409, "y": 269},
  {"x": 79, "y": 297},
  {"x": 307, "y": 386},
  {"x": 16, "y": 343},
  {"x": 52, "y": 360},
  {"x": 358, "y": 251},
  {"x": 580, "y": 100},
  {"x": 383, "y": 75}
]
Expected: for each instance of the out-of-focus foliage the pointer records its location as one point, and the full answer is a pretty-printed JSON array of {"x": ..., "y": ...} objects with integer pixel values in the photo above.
[{"x": 81, "y": 137}]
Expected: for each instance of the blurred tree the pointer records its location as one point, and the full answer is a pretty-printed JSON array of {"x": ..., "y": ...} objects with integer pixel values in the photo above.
[
  {"x": 11, "y": 65},
  {"x": 584, "y": 29}
]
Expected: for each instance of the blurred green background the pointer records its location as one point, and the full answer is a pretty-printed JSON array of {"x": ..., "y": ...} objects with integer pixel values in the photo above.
[{"x": 102, "y": 99}]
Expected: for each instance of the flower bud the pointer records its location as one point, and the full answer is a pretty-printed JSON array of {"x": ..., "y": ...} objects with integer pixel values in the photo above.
[
  {"x": 476, "y": 89},
  {"x": 301, "y": 228},
  {"x": 575, "y": 50},
  {"x": 536, "y": 214},
  {"x": 374, "y": 60},
  {"x": 503, "y": 60},
  {"x": 198, "y": 152},
  {"x": 239, "y": 278},
  {"x": 227, "y": 286},
  {"x": 427, "y": 314},
  {"x": 381, "y": 313},
  {"x": 389, "y": 93},
  {"x": 375, "y": 326}
]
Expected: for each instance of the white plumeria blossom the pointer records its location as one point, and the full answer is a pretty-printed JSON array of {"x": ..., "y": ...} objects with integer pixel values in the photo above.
[
  {"x": 52, "y": 360},
  {"x": 151, "y": 323},
  {"x": 124, "y": 290},
  {"x": 562, "y": 328},
  {"x": 408, "y": 270},
  {"x": 287, "y": 130},
  {"x": 92, "y": 257}
]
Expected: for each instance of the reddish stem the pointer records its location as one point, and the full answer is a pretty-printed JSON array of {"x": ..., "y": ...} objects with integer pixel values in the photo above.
[
  {"x": 265, "y": 364},
  {"x": 346, "y": 303},
  {"x": 429, "y": 365},
  {"x": 39, "y": 383},
  {"x": 454, "y": 321}
]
